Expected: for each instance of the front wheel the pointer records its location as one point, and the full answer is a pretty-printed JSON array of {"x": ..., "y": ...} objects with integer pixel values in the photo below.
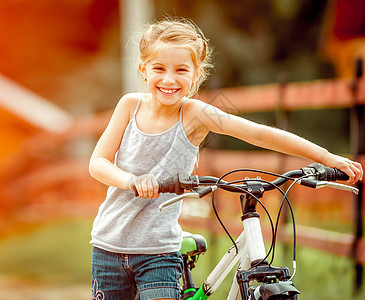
[{"x": 275, "y": 291}]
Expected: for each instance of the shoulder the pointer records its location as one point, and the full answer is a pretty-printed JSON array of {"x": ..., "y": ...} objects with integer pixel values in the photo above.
[
  {"x": 202, "y": 110},
  {"x": 207, "y": 116},
  {"x": 129, "y": 101},
  {"x": 196, "y": 120},
  {"x": 194, "y": 106},
  {"x": 128, "y": 104},
  {"x": 124, "y": 109},
  {"x": 199, "y": 105}
]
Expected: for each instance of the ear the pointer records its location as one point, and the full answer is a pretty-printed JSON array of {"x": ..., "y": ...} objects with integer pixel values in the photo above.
[
  {"x": 198, "y": 73},
  {"x": 142, "y": 69}
]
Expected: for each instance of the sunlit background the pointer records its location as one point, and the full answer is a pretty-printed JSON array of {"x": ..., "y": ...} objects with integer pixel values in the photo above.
[{"x": 64, "y": 64}]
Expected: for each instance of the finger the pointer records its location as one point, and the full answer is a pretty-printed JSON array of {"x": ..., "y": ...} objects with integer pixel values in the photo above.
[
  {"x": 353, "y": 171},
  {"x": 145, "y": 189},
  {"x": 141, "y": 188},
  {"x": 150, "y": 190},
  {"x": 357, "y": 169},
  {"x": 140, "y": 191},
  {"x": 138, "y": 187},
  {"x": 148, "y": 186},
  {"x": 155, "y": 187},
  {"x": 351, "y": 175},
  {"x": 150, "y": 183},
  {"x": 361, "y": 171}
]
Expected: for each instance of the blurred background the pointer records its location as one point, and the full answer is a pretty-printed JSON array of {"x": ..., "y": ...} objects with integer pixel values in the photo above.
[{"x": 65, "y": 64}]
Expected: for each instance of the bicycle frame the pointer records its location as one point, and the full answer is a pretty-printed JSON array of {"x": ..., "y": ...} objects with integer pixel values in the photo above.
[
  {"x": 251, "y": 250},
  {"x": 225, "y": 265},
  {"x": 220, "y": 272}
]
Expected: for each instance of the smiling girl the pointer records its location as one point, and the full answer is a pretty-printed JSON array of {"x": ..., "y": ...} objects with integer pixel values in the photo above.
[{"x": 150, "y": 137}]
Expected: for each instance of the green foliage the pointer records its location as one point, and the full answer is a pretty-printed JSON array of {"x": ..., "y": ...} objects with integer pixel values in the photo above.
[
  {"x": 326, "y": 127},
  {"x": 319, "y": 275},
  {"x": 258, "y": 41},
  {"x": 60, "y": 253}
]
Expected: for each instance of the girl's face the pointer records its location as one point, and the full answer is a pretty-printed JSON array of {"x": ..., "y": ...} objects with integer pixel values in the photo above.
[{"x": 170, "y": 74}]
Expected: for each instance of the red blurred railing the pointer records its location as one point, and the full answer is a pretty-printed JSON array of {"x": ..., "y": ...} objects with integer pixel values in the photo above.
[{"x": 43, "y": 179}]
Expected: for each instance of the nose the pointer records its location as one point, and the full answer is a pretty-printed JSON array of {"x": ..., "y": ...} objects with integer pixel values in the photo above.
[{"x": 168, "y": 78}]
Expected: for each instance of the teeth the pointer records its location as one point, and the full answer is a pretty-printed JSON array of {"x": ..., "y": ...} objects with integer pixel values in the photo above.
[{"x": 167, "y": 91}]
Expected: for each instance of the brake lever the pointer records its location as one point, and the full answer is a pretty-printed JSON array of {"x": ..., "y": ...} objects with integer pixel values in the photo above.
[
  {"x": 317, "y": 184},
  {"x": 196, "y": 194},
  {"x": 191, "y": 195},
  {"x": 339, "y": 186}
]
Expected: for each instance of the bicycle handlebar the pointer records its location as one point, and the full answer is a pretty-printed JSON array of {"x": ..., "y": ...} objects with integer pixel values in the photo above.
[
  {"x": 314, "y": 173},
  {"x": 314, "y": 176}
]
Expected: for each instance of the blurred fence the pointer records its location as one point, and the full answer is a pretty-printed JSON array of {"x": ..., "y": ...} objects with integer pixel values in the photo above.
[
  {"x": 336, "y": 207},
  {"x": 44, "y": 179}
]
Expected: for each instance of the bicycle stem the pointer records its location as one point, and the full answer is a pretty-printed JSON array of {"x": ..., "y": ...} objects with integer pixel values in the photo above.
[{"x": 251, "y": 223}]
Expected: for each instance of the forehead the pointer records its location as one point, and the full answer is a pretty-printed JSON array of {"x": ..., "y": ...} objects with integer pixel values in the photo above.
[{"x": 172, "y": 54}]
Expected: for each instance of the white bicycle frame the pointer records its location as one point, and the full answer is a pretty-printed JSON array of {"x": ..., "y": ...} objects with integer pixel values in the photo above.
[
  {"x": 251, "y": 248},
  {"x": 250, "y": 245}
]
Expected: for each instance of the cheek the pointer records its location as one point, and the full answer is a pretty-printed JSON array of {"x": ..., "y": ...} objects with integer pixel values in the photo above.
[
  {"x": 188, "y": 80},
  {"x": 152, "y": 79}
]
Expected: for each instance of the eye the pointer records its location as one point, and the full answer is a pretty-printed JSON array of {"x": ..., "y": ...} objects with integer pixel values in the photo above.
[
  {"x": 182, "y": 70},
  {"x": 157, "y": 68}
]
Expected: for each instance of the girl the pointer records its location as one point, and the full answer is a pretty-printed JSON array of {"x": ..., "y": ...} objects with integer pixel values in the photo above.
[{"x": 153, "y": 136}]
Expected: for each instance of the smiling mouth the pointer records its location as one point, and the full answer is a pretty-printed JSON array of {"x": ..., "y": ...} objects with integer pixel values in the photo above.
[{"x": 168, "y": 91}]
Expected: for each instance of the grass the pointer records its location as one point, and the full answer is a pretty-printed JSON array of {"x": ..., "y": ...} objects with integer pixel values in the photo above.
[
  {"x": 59, "y": 252},
  {"x": 56, "y": 252},
  {"x": 319, "y": 275}
]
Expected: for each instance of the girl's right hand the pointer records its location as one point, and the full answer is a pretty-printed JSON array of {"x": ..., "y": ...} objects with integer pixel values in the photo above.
[
  {"x": 146, "y": 186},
  {"x": 352, "y": 168}
]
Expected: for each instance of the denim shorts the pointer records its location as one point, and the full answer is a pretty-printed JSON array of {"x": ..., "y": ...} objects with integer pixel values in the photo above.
[{"x": 123, "y": 276}]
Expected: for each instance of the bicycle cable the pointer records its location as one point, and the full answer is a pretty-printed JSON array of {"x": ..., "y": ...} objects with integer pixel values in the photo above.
[
  {"x": 255, "y": 171},
  {"x": 256, "y": 198},
  {"x": 274, "y": 231},
  {"x": 293, "y": 220},
  {"x": 224, "y": 227}
]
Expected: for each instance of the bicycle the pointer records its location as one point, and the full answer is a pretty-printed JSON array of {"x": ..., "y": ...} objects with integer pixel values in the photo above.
[{"x": 256, "y": 278}]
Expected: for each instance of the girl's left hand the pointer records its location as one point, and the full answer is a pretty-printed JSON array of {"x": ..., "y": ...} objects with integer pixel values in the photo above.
[{"x": 352, "y": 168}]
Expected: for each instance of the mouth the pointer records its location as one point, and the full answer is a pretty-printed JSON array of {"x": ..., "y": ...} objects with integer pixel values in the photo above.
[{"x": 167, "y": 91}]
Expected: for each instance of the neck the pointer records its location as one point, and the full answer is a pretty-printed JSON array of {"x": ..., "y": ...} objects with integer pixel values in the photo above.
[{"x": 160, "y": 110}]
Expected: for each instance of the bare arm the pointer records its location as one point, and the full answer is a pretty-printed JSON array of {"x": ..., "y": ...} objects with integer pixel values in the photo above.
[
  {"x": 101, "y": 165},
  {"x": 272, "y": 138}
]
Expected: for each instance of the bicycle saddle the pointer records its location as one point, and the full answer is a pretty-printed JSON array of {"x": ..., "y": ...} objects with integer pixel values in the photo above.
[{"x": 193, "y": 244}]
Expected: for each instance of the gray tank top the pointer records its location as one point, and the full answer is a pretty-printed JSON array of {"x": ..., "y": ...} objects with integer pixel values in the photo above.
[{"x": 129, "y": 224}]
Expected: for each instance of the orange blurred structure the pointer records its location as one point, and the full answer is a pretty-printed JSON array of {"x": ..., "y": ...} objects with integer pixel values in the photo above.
[
  {"x": 40, "y": 175},
  {"x": 43, "y": 176},
  {"x": 343, "y": 37},
  {"x": 44, "y": 150}
]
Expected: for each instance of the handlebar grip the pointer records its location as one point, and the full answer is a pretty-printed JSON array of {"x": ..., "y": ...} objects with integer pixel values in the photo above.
[
  {"x": 327, "y": 173},
  {"x": 333, "y": 174},
  {"x": 340, "y": 175},
  {"x": 170, "y": 185}
]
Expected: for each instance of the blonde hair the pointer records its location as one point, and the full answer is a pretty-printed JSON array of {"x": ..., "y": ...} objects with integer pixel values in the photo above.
[{"x": 179, "y": 32}]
